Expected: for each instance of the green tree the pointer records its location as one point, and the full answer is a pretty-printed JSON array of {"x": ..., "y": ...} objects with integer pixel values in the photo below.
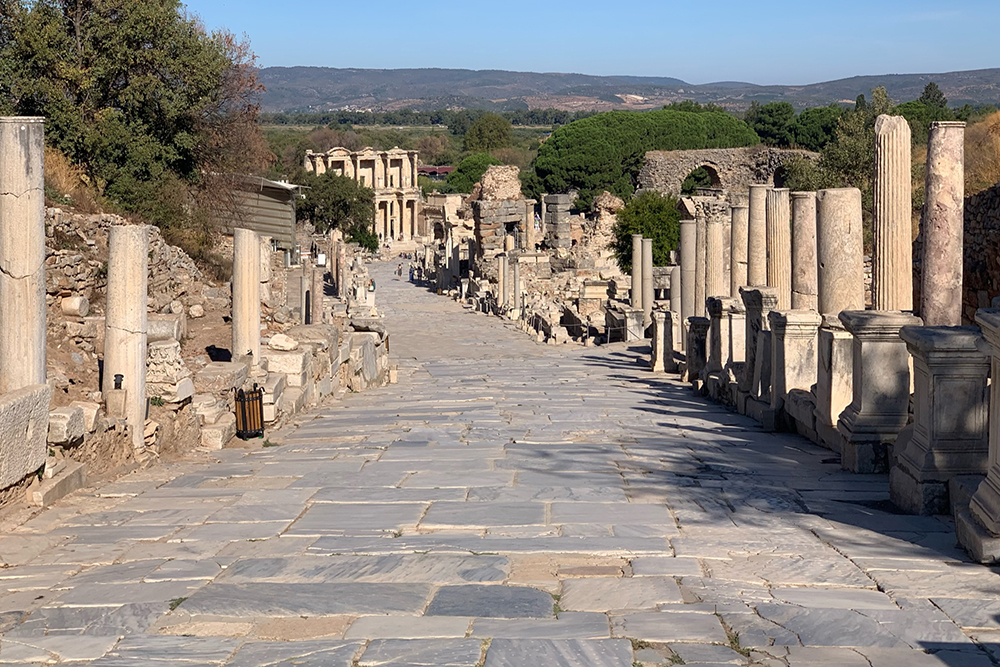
[
  {"x": 469, "y": 171},
  {"x": 920, "y": 115},
  {"x": 699, "y": 178},
  {"x": 656, "y": 217},
  {"x": 606, "y": 151},
  {"x": 774, "y": 123},
  {"x": 815, "y": 128},
  {"x": 489, "y": 133},
  {"x": 138, "y": 95},
  {"x": 691, "y": 105},
  {"x": 331, "y": 201},
  {"x": 933, "y": 97},
  {"x": 849, "y": 160}
]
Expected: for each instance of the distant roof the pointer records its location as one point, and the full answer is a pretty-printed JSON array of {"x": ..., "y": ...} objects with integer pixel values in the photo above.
[
  {"x": 434, "y": 171},
  {"x": 258, "y": 183}
]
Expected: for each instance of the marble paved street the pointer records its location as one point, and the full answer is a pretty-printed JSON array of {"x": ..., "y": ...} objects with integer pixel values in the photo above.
[{"x": 507, "y": 504}]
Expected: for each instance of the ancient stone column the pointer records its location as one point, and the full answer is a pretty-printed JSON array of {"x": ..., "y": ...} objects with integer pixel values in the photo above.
[
  {"x": 22, "y": 253},
  {"x": 715, "y": 285},
  {"x": 738, "y": 250},
  {"x": 246, "y": 301},
  {"x": 839, "y": 251},
  {"x": 779, "y": 245},
  {"x": 647, "y": 282},
  {"x": 757, "y": 236},
  {"x": 125, "y": 321},
  {"x": 737, "y": 337},
  {"x": 304, "y": 285},
  {"x": 689, "y": 233},
  {"x": 942, "y": 229},
  {"x": 502, "y": 296},
  {"x": 317, "y": 290},
  {"x": 676, "y": 287},
  {"x": 881, "y": 388},
  {"x": 517, "y": 287},
  {"x": 978, "y": 528},
  {"x": 266, "y": 298},
  {"x": 840, "y": 287},
  {"x": 700, "y": 264},
  {"x": 804, "y": 278},
  {"x": 635, "y": 294},
  {"x": 892, "y": 260},
  {"x": 949, "y": 434}
]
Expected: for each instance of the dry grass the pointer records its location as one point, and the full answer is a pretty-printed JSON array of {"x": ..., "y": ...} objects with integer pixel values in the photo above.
[
  {"x": 68, "y": 182},
  {"x": 982, "y": 154}
]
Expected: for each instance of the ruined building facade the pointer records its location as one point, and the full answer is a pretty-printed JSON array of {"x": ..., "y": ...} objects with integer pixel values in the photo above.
[{"x": 391, "y": 174}]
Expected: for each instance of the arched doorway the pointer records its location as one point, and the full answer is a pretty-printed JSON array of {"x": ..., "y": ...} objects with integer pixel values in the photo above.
[{"x": 705, "y": 176}]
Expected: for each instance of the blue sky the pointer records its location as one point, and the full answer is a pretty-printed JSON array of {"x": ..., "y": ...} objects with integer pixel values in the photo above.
[{"x": 722, "y": 40}]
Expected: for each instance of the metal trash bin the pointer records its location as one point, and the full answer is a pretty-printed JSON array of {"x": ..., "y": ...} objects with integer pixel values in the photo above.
[{"x": 250, "y": 413}]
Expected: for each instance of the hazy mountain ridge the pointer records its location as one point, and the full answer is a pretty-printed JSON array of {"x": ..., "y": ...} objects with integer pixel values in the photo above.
[{"x": 326, "y": 88}]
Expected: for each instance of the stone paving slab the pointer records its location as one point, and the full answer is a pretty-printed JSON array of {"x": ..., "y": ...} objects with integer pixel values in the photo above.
[{"x": 549, "y": 505}]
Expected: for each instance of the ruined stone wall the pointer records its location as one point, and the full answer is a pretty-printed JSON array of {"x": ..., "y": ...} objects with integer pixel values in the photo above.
[
  {"x": 732, "y": 169},
  {"x": 981, "y": 263},
  {"x": 491, "y": 220},
  {"x": 76, "y": 263}
]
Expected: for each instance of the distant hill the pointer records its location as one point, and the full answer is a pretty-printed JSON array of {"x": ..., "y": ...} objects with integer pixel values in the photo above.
[{"x": 327, "y": 88}]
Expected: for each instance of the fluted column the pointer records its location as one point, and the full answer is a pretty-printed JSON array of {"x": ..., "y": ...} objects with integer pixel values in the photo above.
[
  {"x": 715, "y": 285},
  {"x": 804, "y": 288},
  {"x": 757, "y": 236},
  {"x": 635, "y": 294},
  {"x": 647, "y": 282},
  {"x": 943, "y": 225},
  {"x": 779, "y": 245},
  {"x": 738, "y": 251},
  {"x": 892, "y": 260}
]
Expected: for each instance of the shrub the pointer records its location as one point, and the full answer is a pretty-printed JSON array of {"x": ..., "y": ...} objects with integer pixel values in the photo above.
[{"x": 656, "y": 217}]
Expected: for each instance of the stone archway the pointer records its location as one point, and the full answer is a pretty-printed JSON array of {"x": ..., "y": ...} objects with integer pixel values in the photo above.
[{"x": 730, "y": 168}]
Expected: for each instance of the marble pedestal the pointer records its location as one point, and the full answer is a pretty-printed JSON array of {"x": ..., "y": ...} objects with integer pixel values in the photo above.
[
  {"x": 758, "y": 301},
  {"x": 697, "y": 349},
  {"x": 794, "y": 354},
  {"x": 949, "y": 435},
  {"x": 978, "y": 527},
  {"x": 662, "y": 351},
  {"x": 881, "y": 389},
  {"x": 717, "y": 371},
  {"x": 834, "y": 386}
]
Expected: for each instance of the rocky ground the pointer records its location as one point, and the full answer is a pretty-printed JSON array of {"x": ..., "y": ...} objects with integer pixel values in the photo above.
[{"x": 507, "y": 503}]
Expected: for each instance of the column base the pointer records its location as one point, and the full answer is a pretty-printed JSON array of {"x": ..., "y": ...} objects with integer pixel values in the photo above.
[
  {"x": 717, "y": 386},
  {"x": 761, "y": 411},
  {"x": 829, "y": 437},
  {"x": 799, "y": 414},
  {"x": 983, "y": 546},
  {"x": 916, "y": 497}
]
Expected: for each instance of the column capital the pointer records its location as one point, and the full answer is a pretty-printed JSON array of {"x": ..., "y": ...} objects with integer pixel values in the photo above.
[{"x": 878, "y": 325}]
